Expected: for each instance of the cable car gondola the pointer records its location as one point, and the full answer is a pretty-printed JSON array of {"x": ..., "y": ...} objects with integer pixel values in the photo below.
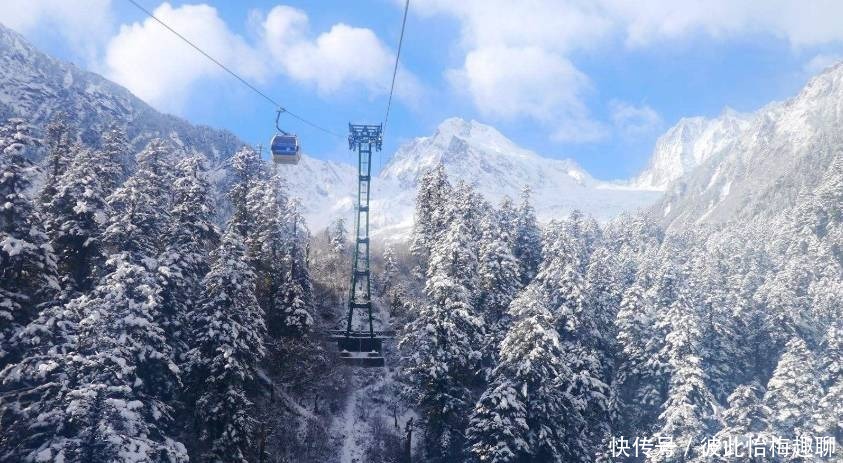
[{"x": 284, "y": 146}]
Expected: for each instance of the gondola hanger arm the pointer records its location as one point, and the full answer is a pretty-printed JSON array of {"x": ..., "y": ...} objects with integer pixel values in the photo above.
[{"x": 277, "y": 117}]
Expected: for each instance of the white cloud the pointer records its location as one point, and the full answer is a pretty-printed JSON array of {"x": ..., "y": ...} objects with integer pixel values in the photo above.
[
  {"x": 161, "y": 69},
  {"x": 510, "y": 82},
  {"x": 556, "y": 29},
  {"x": 634, "y": 121},
  {"x": 85, "y": 24},
  {"x": 552, "y": 24},
  {"x": 342, "y": 56},
  {"x": 801, "y": 22}
]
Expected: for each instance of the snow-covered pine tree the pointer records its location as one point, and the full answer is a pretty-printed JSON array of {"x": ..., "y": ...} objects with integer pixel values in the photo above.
[
  {"x": 831, "y": 361},
  {"x": 499, "y": 280},
  {"x": 560, "y": 283},
  {"x": 828, "y": 419},
  {"x": 724, "y": 360},
  {"x": 28, "y": 277},
  {"x": 32, "y": 390},
  {"x": 62, "y": 147},
  {"x": 508, "y": 219},
  {"x": 76, "y": 216},
  {"x": 337, "y": 259},
  {"x": 586, "y": 233},
  {"x": 115, "y": 145},
  {"x": 118, "y": 409},
  {"x": 271, "y": 244},
  {"x": 784, "y": 297},
  {"x": 390, "y": 274},
  {"x": 444, "y": 346},
  {"x": 637, "y": 388},
  {"x": 247, "y": 169},
  {"x": 299, "y": 251},
  {"x": 190, "y": 236},
  {"x": 745, "y": 421},
  {"x": 686, "y": 416},
  {"x": 141, "y": 208},
  {"x": 794, "y": 391},
  {"x": 433, "y": 193},
  {"x": 528, "y": 243},
  {"x": 603, "y": 294},
  {"x": 462, "y": 216},
  {"x": 227, "y": 343},
  {"x": 339, "y": 237},
  {"x": 528, "y": 412},
  {"x": 116, "y": 404}
]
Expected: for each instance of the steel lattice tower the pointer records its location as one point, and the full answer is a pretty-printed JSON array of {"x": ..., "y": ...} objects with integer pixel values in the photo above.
[{"x": 364, "y": 139}]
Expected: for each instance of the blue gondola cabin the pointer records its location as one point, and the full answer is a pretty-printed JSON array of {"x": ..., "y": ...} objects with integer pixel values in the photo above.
[{"x": 285, "y": 149}]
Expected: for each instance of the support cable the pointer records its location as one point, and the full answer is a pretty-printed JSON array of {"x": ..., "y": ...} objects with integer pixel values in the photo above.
[
  {"x": 395, "y": 67},
  {"x": 234, "y": 74}
]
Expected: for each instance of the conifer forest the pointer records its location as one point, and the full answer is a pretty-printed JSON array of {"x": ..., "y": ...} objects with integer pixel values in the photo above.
[{"x": 173, "y": 293}]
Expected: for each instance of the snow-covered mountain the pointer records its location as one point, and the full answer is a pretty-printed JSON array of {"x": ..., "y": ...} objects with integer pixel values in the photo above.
[
  {"x": 481, "y": 156},
  {"x": 760, "y": 163},
  {"x": 688, "y": 144},
  {"x": 33, "y": 85}
]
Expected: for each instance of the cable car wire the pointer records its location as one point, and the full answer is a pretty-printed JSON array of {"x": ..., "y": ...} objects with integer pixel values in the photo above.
[
  {"x": 234, "y": 74},
  {"x": 395, "y": 68}
]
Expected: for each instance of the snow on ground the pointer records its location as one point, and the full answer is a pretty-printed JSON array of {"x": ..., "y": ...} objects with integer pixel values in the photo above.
[{"x": 373, "y": 405}]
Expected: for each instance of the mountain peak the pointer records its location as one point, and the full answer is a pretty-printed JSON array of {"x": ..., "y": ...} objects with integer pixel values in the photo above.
[
  {"x": 688, "y": 144},
  {"x": 476, "y": 134}
]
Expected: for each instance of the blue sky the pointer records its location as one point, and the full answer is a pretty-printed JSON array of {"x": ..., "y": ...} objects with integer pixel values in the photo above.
[{"x": 596, "y": 81}]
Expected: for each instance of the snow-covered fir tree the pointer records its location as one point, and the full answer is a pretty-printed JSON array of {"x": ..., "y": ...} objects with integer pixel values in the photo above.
[
  {"x": 498, "y": 273},
  {"x": 443, "y": 346},
  {"x": 528, "y": 412},
  {"x": 746, "y": 422},
  {"x": 141, "y": 208},
  {"x": 686, "y": 417},
  {"x": 272, "y": 247},
  {"x": 432, "y": 195},
  {"x": 247, "y": 169},
  {"x": 116, "y": 404},
  {"x": 527, "y": 248},
  {"x": 76, "y": 215},
  {"x": 118, "y": 408},
  {"x": 794, "y": 391},
  {"x": 190, "y": 236},
  {"x": 28, "y": 277},
  {"x": 339, "y": 237},
  {"x": 61, "y": 145},
  {"x": 390, "y": 275},
  {"x": 561, "y": 286},
  {"x": 227, "y": 342},
  {"x": 32, "y": 390},
  {"x": 115, "y": 145}
]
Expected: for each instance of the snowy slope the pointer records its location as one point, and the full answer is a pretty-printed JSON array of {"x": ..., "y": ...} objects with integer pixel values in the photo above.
[
  {"x": 780, "y": 151},
  {"x": 33, "y": 85},
  {"x": 325, "y": 189},
  {"x": 688, "y": 144}
]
